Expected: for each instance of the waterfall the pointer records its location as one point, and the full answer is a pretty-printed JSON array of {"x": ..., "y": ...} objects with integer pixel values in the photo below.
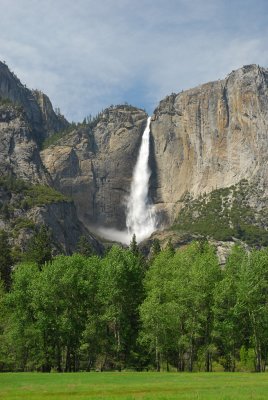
[{"x": 140, "y": 214}]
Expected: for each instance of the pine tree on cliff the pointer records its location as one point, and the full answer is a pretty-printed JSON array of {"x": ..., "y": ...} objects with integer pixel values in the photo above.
[
  {"x": 133, "y": 246},
  {"x": 84, "y": 247},
  {"x": 39, "y": 247}
]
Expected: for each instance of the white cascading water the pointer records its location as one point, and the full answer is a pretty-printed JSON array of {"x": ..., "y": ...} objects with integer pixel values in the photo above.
[{"x": 141, "y": 219}]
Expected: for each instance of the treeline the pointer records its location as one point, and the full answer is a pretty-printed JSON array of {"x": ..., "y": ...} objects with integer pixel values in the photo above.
[{"x": 179, "y": 309}]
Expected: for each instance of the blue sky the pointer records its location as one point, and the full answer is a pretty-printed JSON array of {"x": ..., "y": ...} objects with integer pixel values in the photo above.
[{"x": 86, "y": 55}]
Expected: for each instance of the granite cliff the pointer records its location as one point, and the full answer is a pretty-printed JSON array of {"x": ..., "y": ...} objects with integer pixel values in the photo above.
[
  {"x": 204, "y": 140},
  {"x": 94, "y": 164},
  {"x": 26, "y": 120},
  {"x": 211, "y": 137}
]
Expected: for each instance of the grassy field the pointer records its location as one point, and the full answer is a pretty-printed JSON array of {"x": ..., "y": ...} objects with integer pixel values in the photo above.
[{"x": 129, "y": 386}]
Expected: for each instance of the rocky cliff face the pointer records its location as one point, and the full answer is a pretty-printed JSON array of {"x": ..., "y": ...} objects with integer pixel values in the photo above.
[
  {"x": 20, "y": 219},
  {"x": 26, "y": 119},
  {"x": 51, "y": 121},
  {"x": 94, "y": 164},
  {"x": 204, "y": 139},
  {"x": 210, "y": 137},
  {"x": 37, "y": 107},
  {"x": 19, "y": 153}
]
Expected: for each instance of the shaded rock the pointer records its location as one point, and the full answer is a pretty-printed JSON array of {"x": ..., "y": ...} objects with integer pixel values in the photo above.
[{"x": 66, "y": 229}]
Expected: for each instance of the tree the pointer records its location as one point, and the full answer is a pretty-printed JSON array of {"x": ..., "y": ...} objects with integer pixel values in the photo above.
[
  {"x": 177, "y": 311},
  {"x": 229, "y": 329},
  {"x": 62, "y": 318},
  {"x": 252, "y": 303},
  {"x": 5, "y": 260},
  {"x": 204, "y": 276},
  {"x": 157, "y": 312},
  {"x": 155, "y": 249},
  {"x": 21, "y": 335},
  {"x": 39, "y": 247},
  {"x": 170, "y": 247},
  {"x": 120, "y": 292},
  {"x": 133, "y": 246},
  {"x": 84, "y": 247}
]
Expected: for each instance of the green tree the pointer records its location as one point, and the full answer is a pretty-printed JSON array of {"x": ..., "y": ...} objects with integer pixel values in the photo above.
[
  {"x": 84, "y": 247},
  {"x": 177, "y": 311},
  {"x": 120, "y": 292},
  {"x": 169, "y": 246},
  {"x": 155, "y": 249},
  {"x": 3, "y": 325},
  {"x": 5, "y": 260},
  {"x": 133, "y": 246},
  {"x": 64, "y": 299},
  {"x": 39, "y": 248},
  {"x": 252, "y": 303},
  {"x": 229, "y": 329},
  {"x": 157, "y": 311},
  {"x": 21, "y": 336}
]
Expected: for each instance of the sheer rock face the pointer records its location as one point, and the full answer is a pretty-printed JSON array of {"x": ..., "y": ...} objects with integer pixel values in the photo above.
[
  {"x": 36, "y": 105},
  {"x": 210, "y": 137},
  {"x": 51, "y": 121},
  {"x": 94, "y": 164},
  {"x": 11, "y": 88},
  {"x": 19, "y": 153}
]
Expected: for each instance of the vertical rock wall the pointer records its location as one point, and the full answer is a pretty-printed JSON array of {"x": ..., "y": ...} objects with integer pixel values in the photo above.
[{"x": 210, "y": 137}]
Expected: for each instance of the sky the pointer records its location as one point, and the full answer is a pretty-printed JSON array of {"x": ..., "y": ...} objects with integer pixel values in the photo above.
[{"x": 88, "y": 54}]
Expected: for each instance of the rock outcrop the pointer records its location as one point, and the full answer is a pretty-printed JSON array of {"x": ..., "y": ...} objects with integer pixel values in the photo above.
[
  {"x": 26, "y": 119},
  {"x": 210, "y": 137},
  {"x": 52, "y": 122},
  {"x": 36, "y": 105},
  {"x": 94, "y": 164},
  {"x": 20, "y": 221},
  {"x": 19, "y": 151}
]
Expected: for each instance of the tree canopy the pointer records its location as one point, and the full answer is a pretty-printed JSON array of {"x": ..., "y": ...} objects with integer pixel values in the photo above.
[{"x": 181, "y": 310}]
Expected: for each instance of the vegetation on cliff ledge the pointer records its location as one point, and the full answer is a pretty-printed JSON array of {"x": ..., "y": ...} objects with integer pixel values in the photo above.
[
  {"x": 28, "y": 195},
  {"x": 224, "y": 214}
]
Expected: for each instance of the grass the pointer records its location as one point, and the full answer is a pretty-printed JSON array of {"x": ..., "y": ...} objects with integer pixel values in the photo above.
[{"x": 137, "y": 385}]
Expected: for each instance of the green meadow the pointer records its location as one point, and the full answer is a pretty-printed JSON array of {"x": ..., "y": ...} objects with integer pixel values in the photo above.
[{"x": 134, "y": 385}]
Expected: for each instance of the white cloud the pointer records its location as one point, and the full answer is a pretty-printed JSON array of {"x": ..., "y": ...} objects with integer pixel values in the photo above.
[{"x": 87, "y": 55}]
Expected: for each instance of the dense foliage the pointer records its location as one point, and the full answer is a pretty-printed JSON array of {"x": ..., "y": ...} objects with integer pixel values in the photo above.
[{"x": 178, "y": 310}]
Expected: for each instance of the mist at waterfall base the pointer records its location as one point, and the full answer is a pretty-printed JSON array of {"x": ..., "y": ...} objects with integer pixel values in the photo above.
[{"x": 140, "y": 217}]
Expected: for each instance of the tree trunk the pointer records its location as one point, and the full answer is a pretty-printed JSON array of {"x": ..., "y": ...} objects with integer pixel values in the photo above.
[
  {"x": 58, "y": 356},
  {"x": 157, "y": 361},
  {"x": 68, "y": 361},
  {"x": 207, "y": 363}
]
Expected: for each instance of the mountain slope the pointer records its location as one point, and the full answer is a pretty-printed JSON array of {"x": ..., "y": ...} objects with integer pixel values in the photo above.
[
  {"x": 204, "y": 140},
  {"x": 26, "y": 120}
]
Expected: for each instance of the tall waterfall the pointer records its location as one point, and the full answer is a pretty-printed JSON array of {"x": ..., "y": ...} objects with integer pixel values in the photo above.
[{"x": 140, "y": 214}]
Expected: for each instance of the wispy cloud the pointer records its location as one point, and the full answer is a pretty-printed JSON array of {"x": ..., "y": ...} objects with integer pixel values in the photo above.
[{"x": 87, "y": 55}]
